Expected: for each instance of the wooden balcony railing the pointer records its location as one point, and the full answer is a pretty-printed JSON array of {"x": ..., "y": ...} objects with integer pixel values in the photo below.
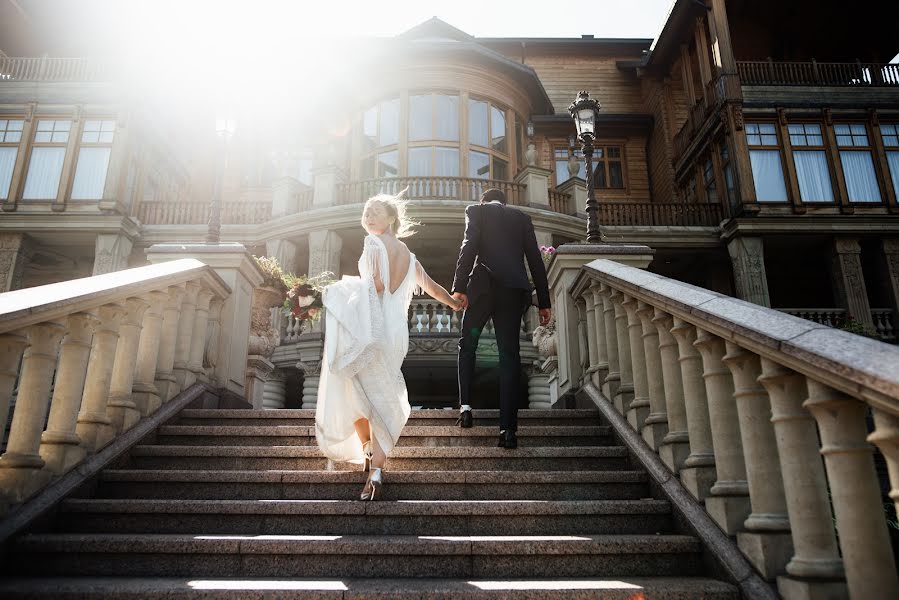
[
  {"x": 465, "y": 189},
  {"x": 677, "y": 214},
  {"x": 197, "y": 213},
  {"x": 815, "y": 73},
  {"x": 53, "y": 69}
]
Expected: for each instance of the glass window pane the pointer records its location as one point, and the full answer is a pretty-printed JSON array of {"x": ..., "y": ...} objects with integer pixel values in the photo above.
[
  {"x": 767, "y": 173},
  {"x": 497, "y": 129},
  {"x": 447, "y": 119},
  {"x": 60, "y": 137},
  {"x": 616, "y": 178},
  {"x": 841, "y": 129},
  {"x": 7, "y": 164},
  {"x": 90, "y": 137},
  {"x": 419, "y": 162},
  {"x": 861, "y": 182},
  {"x": 447, "y": 162},
  {"x": 500, "y": 169},
  {"x": 614, "y": 152},
  {"x": 390, "y": 122},
  {"x": 13, "y": 136},
  {"x": 44, "y": 170},
  {"x": 107, "y": 126},
  {"x": 370, "y": 128},
  {"x": 600, "y": 181},
  {"x": 62, "y": 125},
  {"x": 90, "y": 174},
  {"x": 92, "y": 125},
  {"x": 420, "y": 118},
  {"x": 106, "y": 137},
  {"x": 388, "y": 164},
  {"x": 813, "y": 175},
  {"x": 561, "y": 171},
  {"x": 15, "y": 125},
  {"x": 478, "y": 165},
  {"x": 45, "y": 125},
  {"x": 477, "y": 123},
  {"x": 42, "y": 136},
  {"x": 893, "y": 161}
]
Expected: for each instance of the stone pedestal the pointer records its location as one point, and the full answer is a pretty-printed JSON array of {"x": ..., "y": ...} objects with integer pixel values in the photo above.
[
  {"x": 747, "y": 256},
  {"x": 326, "y": 180},
  {"x": 311, "y": 375},
  {"x": 274, "y": 394},
  {"x": 258, "y": 370},
  {"x": 538, "y": 388},
  {"x": 577, "y": 190},
  {"x": 236, "y": 267},
  {"x": 537, "y": 181},
  {"x": 111, "y": 252},
  {"x": 563, "y": 270},
  {"x": 285, "y": 197}
]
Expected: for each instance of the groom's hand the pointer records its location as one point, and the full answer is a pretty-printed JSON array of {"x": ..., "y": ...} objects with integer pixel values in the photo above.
[
  {"x": 462, "y": 299},
  {"x": 545, "y": 315}
]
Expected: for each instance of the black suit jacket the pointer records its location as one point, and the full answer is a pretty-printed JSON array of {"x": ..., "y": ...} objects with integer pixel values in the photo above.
[{"x": 499, "y": 237}]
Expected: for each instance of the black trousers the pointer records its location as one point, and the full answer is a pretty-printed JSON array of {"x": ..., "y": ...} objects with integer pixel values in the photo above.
[{"x": 506, "y": 306}]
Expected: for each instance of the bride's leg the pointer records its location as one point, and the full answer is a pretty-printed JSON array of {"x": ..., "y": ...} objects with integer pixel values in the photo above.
[
  {"x": 378, "y": 458},
  {"x": 363, "y": 429}
]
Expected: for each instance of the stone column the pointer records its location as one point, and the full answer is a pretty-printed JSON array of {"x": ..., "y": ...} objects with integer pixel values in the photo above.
[
  {"x": 12, "y": 345},
  {"x": 891, "y": 256},
  {"x": 698, "y": 472},
  {"x": 537, "y": 181},
  {"x": 816, "y": 562},
  {"x": 676, "y": 444},
  {"x": 767, "y": 541},
  {"x": 165, "y": 361},
  {"x": 121, "y": 408},
  {"x": 602, "y": 353},
  {"x": 311, "y": 375},
  {"x": 274, "y": 394},
  {"x": 728, "y": 502},
  {"x": 94, "y": 425},
  {"x": 864, "y": 540},
  {"x": 613, "y": 378},
  {"x": 849, "y": 281},
  {"x": 539, "y": 396},
  {"x": 625, "y": 393},
  {"x": 210, "y": 355},
  {"x": 592, "y": 341},
  {"x": 324, "y": 252},
  {"x": 184, "y": 377},
  {"x": 886, "y": 438},
  {"x": 198, "y": 338},
  {"x": 639, "y": 407},
  {"x": 21, "y": 464},
  {"x": 111, "y": 252},
  {"x": 60, "y": 446},
  {"x": 15, "y": 253},
  {"x": 655, "y": 427},
  {"x": 747, "y": 256},
  {"x": 143, "y": 389}
]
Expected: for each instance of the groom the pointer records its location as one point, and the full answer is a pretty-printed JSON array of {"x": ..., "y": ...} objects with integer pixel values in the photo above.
[{"x": 500, "y": 238}]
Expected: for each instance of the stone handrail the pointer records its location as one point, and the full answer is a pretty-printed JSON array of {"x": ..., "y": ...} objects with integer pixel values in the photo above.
[
  {"x": 734, "y": 396},
  {"x": 97, "y": 354}
]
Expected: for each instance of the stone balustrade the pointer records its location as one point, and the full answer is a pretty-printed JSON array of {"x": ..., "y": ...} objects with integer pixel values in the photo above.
[
  {"x": 764, "y": 418},
  {"x": 86, "y": 359}
]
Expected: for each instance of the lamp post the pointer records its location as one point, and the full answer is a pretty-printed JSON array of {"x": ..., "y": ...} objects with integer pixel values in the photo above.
[
  {"x": 584, "y": 110},
  {"x": 224, "y": 130}
]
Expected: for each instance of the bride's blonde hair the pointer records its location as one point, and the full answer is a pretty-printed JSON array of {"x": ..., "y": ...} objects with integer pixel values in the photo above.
[{"x": 395, "y": 207}]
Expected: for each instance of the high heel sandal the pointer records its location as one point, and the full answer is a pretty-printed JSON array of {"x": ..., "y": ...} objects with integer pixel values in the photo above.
[
  {"x": 366, "y": 459},
  {"x": 372, "y": 489}
]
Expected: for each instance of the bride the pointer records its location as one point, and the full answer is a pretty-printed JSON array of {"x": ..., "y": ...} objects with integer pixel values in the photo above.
[{"x": 362, "y": 400}]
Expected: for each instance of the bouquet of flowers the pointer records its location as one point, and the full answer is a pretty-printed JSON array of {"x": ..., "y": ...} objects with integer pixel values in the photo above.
[
  {"x": 304, "y": 296},
  {"x": 548, "y": 252}
]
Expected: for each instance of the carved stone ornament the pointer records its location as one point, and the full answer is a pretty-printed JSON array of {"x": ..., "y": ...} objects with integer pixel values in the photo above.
[
  {"x": 531, "y": 154},
  {"x": 545, "y": 339},
  {"x": 263, "y": 337}
]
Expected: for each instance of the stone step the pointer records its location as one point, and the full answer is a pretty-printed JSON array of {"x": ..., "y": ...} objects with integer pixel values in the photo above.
[
  {"x": 459, "y": 556},
  {"x": 283, "y": 588},
  {"x": 347, "y": 517},
  {"x": 486, "y": 417},
  {"x": 413, "y": 435},
  {"x": 403, "y": 485},
  {"x": 401, "y": 458}
]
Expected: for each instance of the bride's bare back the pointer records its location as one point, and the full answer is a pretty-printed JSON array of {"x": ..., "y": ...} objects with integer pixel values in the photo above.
[{"x": 398, "y": 257}]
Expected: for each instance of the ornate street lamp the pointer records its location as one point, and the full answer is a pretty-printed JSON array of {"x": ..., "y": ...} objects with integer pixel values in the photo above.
[
  {"x": 224, "y": 131},
  {"x": 585, "y": 110}
]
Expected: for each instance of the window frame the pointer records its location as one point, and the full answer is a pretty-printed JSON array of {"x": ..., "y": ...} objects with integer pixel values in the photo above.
[
  {"x": 870, "y": 148},
  {"x": 98, "y": 144},
  {"x": 779, "y": 147},
  {"x": 18, "y": 145},
  {"x": 824, "y": 148},
  {"x": 64, "y": 187}
]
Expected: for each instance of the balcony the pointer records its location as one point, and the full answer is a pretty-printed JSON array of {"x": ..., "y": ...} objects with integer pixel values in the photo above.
[
  {"x": 53, "y": 69},
  {"x": 836, "y": 317},
  {"x": 855, "y": 74},
  {"x": 464, "y": 189}
]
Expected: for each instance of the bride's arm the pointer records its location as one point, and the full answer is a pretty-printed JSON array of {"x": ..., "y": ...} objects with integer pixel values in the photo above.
[{"x": 434, "y": 289}]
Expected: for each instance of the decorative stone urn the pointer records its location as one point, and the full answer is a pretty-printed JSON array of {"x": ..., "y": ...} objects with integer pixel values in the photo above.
[
  {"x": 263, "y": 337},
  {"x": 545, "y": 339}
]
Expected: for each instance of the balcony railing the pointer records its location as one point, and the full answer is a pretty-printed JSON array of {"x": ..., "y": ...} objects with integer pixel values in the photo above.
[
  {"x": 836, "y": 317},
  {"x": 242, "y": 212},
  {"x": 659, "y": 213},
  {"x": 818, "y": 73},
  {"x": 465, "y": 189},
  {"x": 53, "y": 69}
]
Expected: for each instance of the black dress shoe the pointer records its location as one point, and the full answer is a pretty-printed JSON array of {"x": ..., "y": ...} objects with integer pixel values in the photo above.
[
  {"x": 465, "y": 420},
  {"x": 507, "y": 439}
]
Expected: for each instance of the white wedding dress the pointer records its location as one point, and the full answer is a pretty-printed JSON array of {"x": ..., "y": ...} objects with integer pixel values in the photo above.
[{"x": 366, "y": 341}]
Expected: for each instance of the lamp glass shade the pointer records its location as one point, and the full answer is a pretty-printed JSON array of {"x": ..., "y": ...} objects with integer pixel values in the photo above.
[{"x": 586, "y": 122}]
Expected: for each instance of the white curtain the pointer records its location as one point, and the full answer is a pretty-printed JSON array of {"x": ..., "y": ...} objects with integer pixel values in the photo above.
[
  {"x": 768, "y": 175},
  {"x": 419, "y": 162},
  {"x": 90, "y": 174},
  {"x": 7, "y": 164},
  {"x": 420, "y": 117},
  {"x": 447, "y": 118},
  {"x": 893, "y": 160},
  {"x": 813, "y": 176},
  {"x": 390, "y": 122},
  {"x": 447, "y": 162},
  {"x": 44, "y": 170},
  {"x": 861, "y": 182},
  {"x": 477, "y": 123}
]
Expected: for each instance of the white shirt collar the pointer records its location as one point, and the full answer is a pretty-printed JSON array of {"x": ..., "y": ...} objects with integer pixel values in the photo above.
[{"x": 495, "y": 202}]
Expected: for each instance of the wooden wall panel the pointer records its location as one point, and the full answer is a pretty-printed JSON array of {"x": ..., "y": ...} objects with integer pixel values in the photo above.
[{"x": 564, "y": 76}]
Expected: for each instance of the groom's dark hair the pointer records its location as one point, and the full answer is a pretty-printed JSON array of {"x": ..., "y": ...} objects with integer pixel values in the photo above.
[{"x": 493, "y": 194}]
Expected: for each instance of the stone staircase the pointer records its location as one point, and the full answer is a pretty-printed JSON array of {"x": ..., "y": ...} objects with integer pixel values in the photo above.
[{"x": 241, "y": 504}]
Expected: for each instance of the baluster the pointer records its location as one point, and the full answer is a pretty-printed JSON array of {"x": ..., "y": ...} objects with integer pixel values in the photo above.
[
  {"x": 183, "y": 376},
  {"x": 698, "y": 472},
  {"x": 592, "y": 341},
  {"x": 676, "y": 444},
  {"x": 434, "y": 321},
  {"x": 121, "y": 407},
  {"x": 12, "y": 345},
  {"x": 413, "y": 318},
  {"x": 455, "y": 322},
  {"x": 198, "y": 337},
  {"x": 639, "y": 407},
  {"x": 886, "y": 438},
  {"x": 143, "y": 389},
  {"x": 602, "y": 358},
  {"x": 655, "y": 426},
  {"x": 863, "y": 537},
  {"x": 767, "y": 541},
  {"x": 728, "y": 502},
  {"x": 805, "y": 487},
  {"x": 613, "y": 378},
  {"x": 165, "y": 378}
]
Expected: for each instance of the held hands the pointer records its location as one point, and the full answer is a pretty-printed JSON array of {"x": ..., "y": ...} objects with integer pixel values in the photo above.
[
  {"x": 461, "y": 301},
  {"x": 545, "y": 315}
]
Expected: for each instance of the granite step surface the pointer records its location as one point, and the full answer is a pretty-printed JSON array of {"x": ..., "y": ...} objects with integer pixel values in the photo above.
[
  {"x": 456, "y": 556},
  {"x": 283, "y": 588},
  {"x": 414, "y": 435},
  {"x": 574, "y": 458},
  {"x": 402, "y": 485},
  {"x": 348, "y": 517}
]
